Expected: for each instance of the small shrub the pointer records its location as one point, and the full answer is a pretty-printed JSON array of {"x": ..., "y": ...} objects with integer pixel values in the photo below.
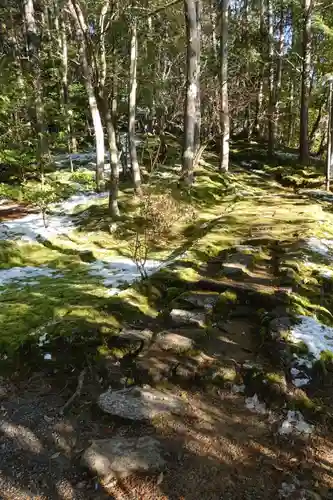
[
  {"x": 157, "y": 215},
  {"x": 41, "y": 196},
  {"x": 12, "y": 192},
  {"x": 86, "y": 179}
]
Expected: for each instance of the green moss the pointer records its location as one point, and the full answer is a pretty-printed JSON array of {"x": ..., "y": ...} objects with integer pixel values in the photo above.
[
  {"x": 303, "y": 403},
  {"x": 299, "y": 348},
  {"x": 327, "y": 357},
  {"x": 226, "y": 302},
  {"x": 221, "y": 376},
  {"x": 275, "y": 378}
]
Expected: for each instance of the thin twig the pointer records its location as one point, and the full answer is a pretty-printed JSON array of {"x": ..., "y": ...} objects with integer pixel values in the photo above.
[{"x": 76, "y": 393}]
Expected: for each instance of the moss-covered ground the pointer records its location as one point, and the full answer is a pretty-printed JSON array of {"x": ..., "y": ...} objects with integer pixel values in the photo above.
[{"x": 254, "y": 216}]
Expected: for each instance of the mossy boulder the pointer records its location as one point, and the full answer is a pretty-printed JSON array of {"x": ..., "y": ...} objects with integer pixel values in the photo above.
[
  {"x": 279, "y": 328},
  {"x": 226, "y": 302}
]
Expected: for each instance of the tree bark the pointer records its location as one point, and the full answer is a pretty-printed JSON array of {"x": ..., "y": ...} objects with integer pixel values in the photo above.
[
  {"x": 111, "y": 133},
  {"x": 60, "y": 23},
  {"x": 198, "y": 100},
  {"x": 82, "y": 34},
  {"x": 114, "y": 165},
  {"x": 278, "y": 80},
  {"x": 224, "y": 116},
  {"x": 191, "y": 99},
  {"x": 329, "y": 158},
  {"x": 270, "y": 41},
  {"x": 33, "y": 46},
  {"x": 316, "y": 124},
  {"x": 132, "y": 109},
  {"x": 260, "y": 93},
  {"x": 291, "y": 121},
  {"x": 305, "y": 88}
]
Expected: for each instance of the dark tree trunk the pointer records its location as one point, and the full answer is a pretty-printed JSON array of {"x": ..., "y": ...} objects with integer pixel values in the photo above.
[
  {"x": 191, "y": 127},
  {"x": 224, "y": 112},
  {"x": 305, "y": 89}
]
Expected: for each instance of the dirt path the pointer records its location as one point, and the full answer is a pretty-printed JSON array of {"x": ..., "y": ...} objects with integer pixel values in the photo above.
[{"x": 220, "y": 450}]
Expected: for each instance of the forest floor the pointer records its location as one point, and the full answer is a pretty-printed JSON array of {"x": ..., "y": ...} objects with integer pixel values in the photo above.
[{"x": 260, "y": 249}]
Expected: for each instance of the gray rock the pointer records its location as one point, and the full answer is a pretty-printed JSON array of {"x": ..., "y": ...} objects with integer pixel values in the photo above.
[
  {"x": 233, "y": 270},
  {"x": 241, "y": 311},
  {"x": 201, "y": 299},
  {"x": 87, "y": 256},
  {"x": 120, "y": 457},
  {"x": 280, "y": 327},
  {"x": 136, "y": 334},
  {"x": 173, "y": 342},
  {"x": 183, "y": 317},
  {"x": 139, "y": 403}
]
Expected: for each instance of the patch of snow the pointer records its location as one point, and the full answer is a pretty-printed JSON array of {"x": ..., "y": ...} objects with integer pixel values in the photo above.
[
  {"x": 69, "y": 205},
  {"x": 47, "y": 356},
  {"x": 288, "y": 490},
  {"x": 300, "y": 382},
  {"x": 294, "y": 372},
  {"x": 318, "y": 193},
  {"x": 315, "y": 335},
  {"x": 31, "y": 227},
  {"x": 295, "y": 424},
  {"x": 118, "y": 270},
  {"x": 43, "y": 339},
  {"x": 26, "y": 273},
  {"x": 253, "y": 404},
  {"x": 165, "y": 175},
  {"x": 286, "y": 155},
  {"x": 238, "y": 389},
  {"x": 327, "y": 273},
  {"x": 321, "y": 246}
]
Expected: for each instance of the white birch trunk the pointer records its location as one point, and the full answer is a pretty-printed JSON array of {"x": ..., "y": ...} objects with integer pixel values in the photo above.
[{"x": 132, "y": 109}]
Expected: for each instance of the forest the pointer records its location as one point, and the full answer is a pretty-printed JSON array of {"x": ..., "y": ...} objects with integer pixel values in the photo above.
[{"x": 166, "y": 249}]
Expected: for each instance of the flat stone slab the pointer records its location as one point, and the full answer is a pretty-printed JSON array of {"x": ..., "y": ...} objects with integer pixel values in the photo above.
[
  {"x": 174, "y": 342},
  {"x": 231, "y": 270},
  {"x": 130, "y": 334},
  {"x": 183, "y": 317},
  {"x": 120, "y": 456},
  {"x": 200, "y": 299},
  {"x": 139, "y": 403}
]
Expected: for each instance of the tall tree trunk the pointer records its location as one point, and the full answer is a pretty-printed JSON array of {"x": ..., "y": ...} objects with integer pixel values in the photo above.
[
  {"x": 82, "y": 33},
  {"x": 278, "y": 80},
  {"x": 305, "y": 89},
  {"x": 33, "y": 44},
  {"x": 114, "y": 164},
  {"x": 213, "y": 20},
  {"x": 260, "y": 92},
  {"x": 247, "y": 111},
  {"x": 191, "y": 98},
  {"x": 291, "y": 118},
  {"x": 104, "y": 102},
  {"x": 329, "y": 158},
  {"x": 316, "y": 124},
  {"x": 224, "y": 117},
  {"x": 63, "y": 54},
  {"x": 198, "y": 100},
  {"x": 271, "y": 117},
  {"x": 132, "y": 108}
]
